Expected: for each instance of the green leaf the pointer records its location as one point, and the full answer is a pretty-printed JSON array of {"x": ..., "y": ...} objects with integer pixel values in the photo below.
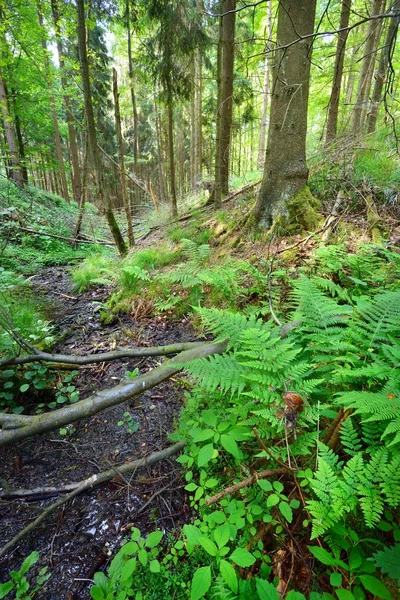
[
  {"x": 230, "y": 445},
  {"x": 155, "y": 566},
  {"x": 265, "y": 485},
  {"x": 293, "y": 595},
  {"x": 222, "y": 535},
  {"x": 242, "y": 557},
  {"x": 142, "y": 556},
  {"x": 336, "y": 579},
  {"x": 128, "y": 568},
  {"x": 95, "y": 592},
  {"x": 7, "y": 374},
  {"x": 323, "y": 556},
  {"x": 208, "y": 546},
  {"x": 343, "y": 594},
  {"x": 272, "y": 500},
  {"x": 24, "y": 387},
  {"x": 211, "y": 483},
  {"x": 203, "y": 435},
  {"x": 135, "y": 535},
  {"x": 376, "y": 587},
  {"x": 355, "y": 558},
  {"x": 154, "y": 539},
  {"x": 101, "y": 580},
  {"x": 229, "y": 575},
  {"x": 129, "y": 548},
  {"x": 5, "y": 588},
  {"x": 388, "y": 560},
  {"x": 286, "y": 511},
  {"x": 200, "y": 583},
  {"x": 266, "y": 591},
  {"x": 190, "y": 487},
  {"x": 205, "y": 455},
  {"x": 28, "y": 562},
  {"x": 193, "y": 534}
]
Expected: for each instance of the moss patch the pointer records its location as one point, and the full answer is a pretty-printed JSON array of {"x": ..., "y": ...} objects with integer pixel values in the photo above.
[{"x": 302, "y": 214}]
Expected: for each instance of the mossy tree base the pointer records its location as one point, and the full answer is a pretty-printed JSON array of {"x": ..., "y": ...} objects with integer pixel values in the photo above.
[{"x": 302, "y": 214}]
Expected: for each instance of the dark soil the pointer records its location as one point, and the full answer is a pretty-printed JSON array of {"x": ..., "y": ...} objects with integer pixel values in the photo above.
[{"x": 79, "y": 539}]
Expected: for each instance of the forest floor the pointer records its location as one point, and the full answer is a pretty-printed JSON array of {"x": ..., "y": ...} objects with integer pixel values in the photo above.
[{"x": 77, "y": 541}]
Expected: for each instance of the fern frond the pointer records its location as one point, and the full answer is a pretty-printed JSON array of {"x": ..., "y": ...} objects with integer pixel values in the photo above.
[
  {"x": 349, "y": 438},
  {"x": 390, "y": 484},
  {"x": 218, "y": 372},
  {"x": 371, "y": 503}
]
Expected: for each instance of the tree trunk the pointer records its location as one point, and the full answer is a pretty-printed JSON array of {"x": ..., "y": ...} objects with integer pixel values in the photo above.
[
  {"x": 21, "y": 147},
  {"x": 174, "y": 206},
  {"x": 198, "y": 106},
  {"x": 366, "y": 71},
  {"x": 14, "y": 171},
  {"x": 263, "y": 131},
  {"x": 120, "y": 143},
  {"x": 136, "y": 148},
  {"x": 331, "y": 127},
  {"x": 285, "y": 171},
  {"x": 216, "y": 195},
  {"x": 91, "y": 131},
  {"x": 228, "y": 57},
  {"x": 382, "y": 68},
  {"x": 76, "y": 174},
  {"x": 53, "y": 112},
  {"x": 83, "y": 190}
]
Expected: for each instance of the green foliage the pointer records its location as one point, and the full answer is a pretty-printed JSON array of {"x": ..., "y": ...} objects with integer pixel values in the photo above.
[
  {"x": 388, "y": 560},
  {"x": 18, "y": 583},
  {"x": 94, "y": 271}
]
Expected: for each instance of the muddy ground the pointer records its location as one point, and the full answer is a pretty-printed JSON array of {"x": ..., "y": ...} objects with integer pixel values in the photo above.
[{"x": 79, "y": 539}]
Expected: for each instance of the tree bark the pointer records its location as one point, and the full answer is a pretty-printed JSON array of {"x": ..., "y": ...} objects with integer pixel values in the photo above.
[
  {"x": 104, "y": 202},
  {"x": 198, "y": 106},
  {"x": 382, "y": 68},
  {"x": 120, "y": 143},
  {"x": 136, "y": 147},
  {"x": 263, "y": 130},
  {"x": 331, "y": 127},
  {"x": 228, "y": 58},
  {"x": 76, "y": 175},
  {"x": 285, "y": 171},
  {"x": 217, "y": 195},
  {"x": 14, "y": 171},
  {"x": 366, "y": 71},
  {"x": 174, "y": 205}
]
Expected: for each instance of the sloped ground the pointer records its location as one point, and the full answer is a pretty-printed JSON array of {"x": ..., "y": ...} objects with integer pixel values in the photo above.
[{"x": 78, "y": 540}]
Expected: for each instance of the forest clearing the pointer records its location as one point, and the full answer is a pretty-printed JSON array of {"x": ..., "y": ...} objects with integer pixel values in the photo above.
[{"x": 199, "y": 300}]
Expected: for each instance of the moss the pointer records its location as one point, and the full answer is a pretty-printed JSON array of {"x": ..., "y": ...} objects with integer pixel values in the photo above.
[
  {"x": 107, "y": 318},
  {"x": 302, "y": 214},
  {"x": 376, "y": 226}
]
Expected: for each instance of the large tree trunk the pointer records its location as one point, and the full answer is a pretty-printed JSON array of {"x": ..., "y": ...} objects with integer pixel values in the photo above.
[
  {"x": 331, "y": 128},
  {"x": 120, "y": 143},
  {"x": 228, "y": 58},
  {"x": 136, "y": 147},
  {"x": 14, "y": 170},
  {"x": 285, "y": 171},
  {"x": 105, "y": 204},
  {"x": 382, "y": 68},
  {"x": 263, "y": 130},
  {"x": 76, "y": 174},
  {"x": 366, "y": 71},
  {"x": 53, "y": 111}
]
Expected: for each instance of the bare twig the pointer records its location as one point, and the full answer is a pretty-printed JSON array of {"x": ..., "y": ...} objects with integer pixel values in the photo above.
[{"x": 245, "y": 483}]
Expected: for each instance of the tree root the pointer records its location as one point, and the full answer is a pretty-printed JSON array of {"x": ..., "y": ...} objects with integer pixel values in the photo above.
[
  {"x": 17, "y": 427},
  {"x": 89, "y": 483},
  {"x": 232, "y": 489}
]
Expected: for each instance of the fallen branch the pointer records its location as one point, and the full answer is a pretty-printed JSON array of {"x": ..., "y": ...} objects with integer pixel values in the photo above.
[
  {"x": 245, "y": 483},
  {"x": 91, "y": 482},
  {"x": 87, "y": 359},
  {"x": 331, "y": 220},
  {"x": 66, "y": 239},
  {"x": 18, "y": 427}
]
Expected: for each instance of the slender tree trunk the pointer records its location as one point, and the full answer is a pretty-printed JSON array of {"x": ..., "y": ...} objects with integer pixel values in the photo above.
[
  {"x": 193, "y": 134},
  {"x": 21, "y": 147},
  {"x": 15, "y": 171},
  {"x": 120, "y": 143},
  {"x": 76, "y": 174},
  {"x": 91, "y": 131},
  {"x": 161, "y": 179},
  {"x": 382, "y": 67},
  {"x": 331, "y": 127},
  {"x": 216, "y": 196},
  {"x": 136, "y": 148},
  {"x": 285, "y": 171},
  {"x": 228, "y": 58},
  {"x": 81, "y": 212},
  {"x": 174, "y": 206},
  {"x": 263, "y": 131},
  {"x": 198, "y": 106},
  {"x": 364, "y": 84}
]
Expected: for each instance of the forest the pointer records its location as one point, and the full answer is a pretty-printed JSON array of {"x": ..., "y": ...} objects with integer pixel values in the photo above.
[{"x": 199, "y": 300}]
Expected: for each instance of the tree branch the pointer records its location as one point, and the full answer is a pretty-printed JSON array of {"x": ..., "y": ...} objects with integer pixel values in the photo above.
[{"x": 245, "y": 483}]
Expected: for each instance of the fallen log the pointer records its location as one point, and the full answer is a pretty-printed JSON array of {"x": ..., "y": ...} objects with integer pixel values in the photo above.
[
  {"x": 89, "y": 483},
  {"x": 87, "y": 359},
  {"x": 18, "y": 427},
  {"x": 66, "y": 239}
]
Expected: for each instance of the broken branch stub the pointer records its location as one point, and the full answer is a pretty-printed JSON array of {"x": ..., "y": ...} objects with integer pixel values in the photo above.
[{"x": 18, "y": 427}]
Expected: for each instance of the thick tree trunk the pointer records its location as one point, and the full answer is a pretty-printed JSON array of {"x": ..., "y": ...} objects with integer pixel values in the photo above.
[
  {"x": 331, "y": 127},
  {"x": 53, "y": 112},
  {"x": 14, "y": 171},
  {"x": 285, "y": 172},
  {"x": 120, "y": 143},
  {"x": 263, "y": 130},
  {"x": 136, "y": 148},
  {"x": 174, "y": 206},
  {"x": 366, "y": 71},
  {"x": 382, "y": 68},
  {"x": 76, "y": 174},
  {"x": 228, "y": 58},
  {"x": 104, "y": 202}
]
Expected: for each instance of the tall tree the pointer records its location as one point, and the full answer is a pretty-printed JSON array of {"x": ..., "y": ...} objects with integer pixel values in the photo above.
[
  {"x": 285, "y": 173},
  {"x": 136, "y": 147},
  {"x": 14, "y": 170},
  {"x": 104, "y": 201},
  {"x": 263, "y": 128},
  {"x": 225, "y": 107},
  {"x": 333, "y": 112}
]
